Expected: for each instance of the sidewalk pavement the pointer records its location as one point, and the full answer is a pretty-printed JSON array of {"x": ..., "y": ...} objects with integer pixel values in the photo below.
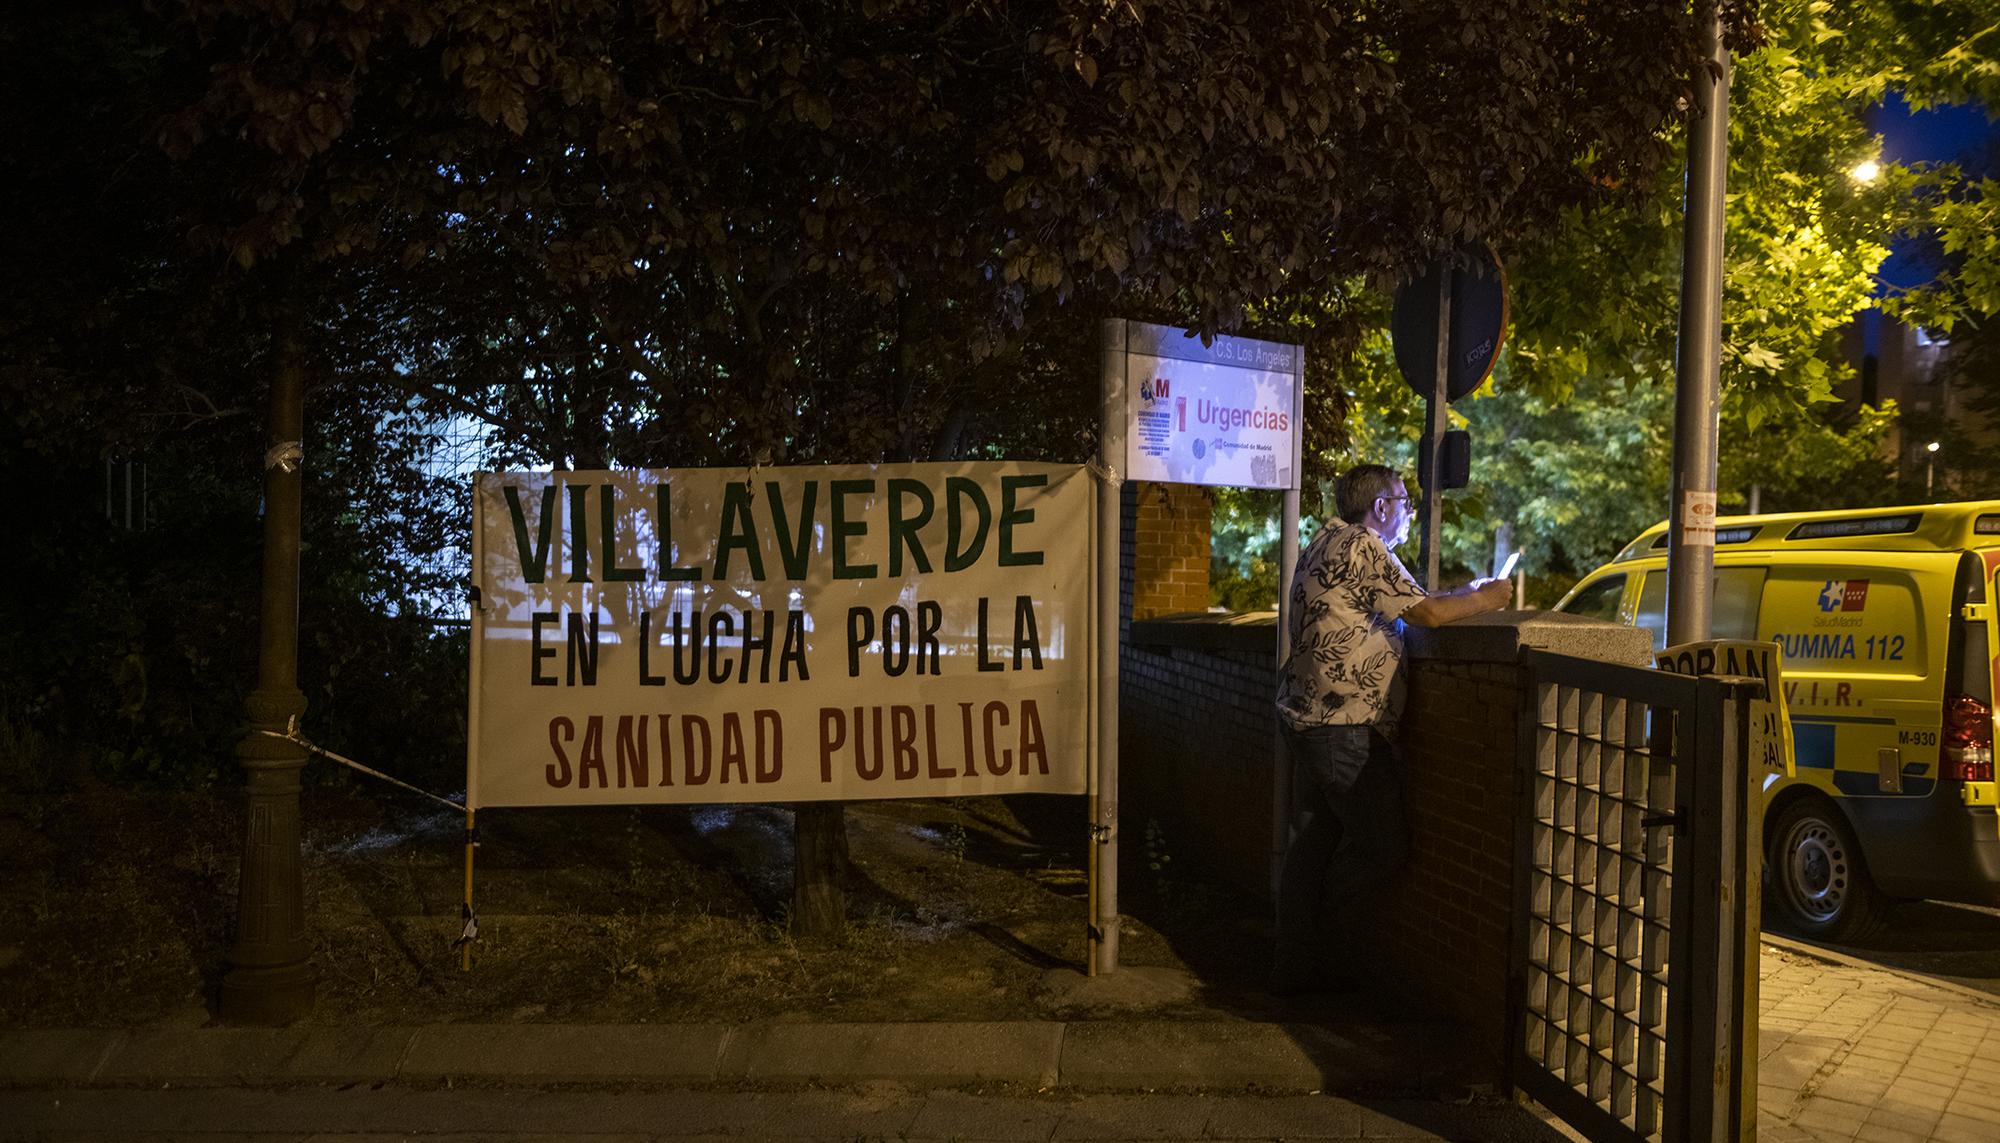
[
  {"x": 1095, "y": 1055},
  {"x": 1850, "y": 1050},
  {"x": 1847, "y": 1051}
]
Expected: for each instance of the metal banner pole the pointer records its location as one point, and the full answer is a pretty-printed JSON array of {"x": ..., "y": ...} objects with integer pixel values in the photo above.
[
  {"x": 1103, "y": 934},
  {"x": 1288, "y": 562}
]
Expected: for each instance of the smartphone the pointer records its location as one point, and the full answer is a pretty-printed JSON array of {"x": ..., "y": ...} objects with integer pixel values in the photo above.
[{"x": 1507, "y": 569}]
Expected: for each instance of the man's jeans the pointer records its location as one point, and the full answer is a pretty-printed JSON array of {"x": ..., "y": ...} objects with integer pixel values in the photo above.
[{"x": 1348, "y": 784}]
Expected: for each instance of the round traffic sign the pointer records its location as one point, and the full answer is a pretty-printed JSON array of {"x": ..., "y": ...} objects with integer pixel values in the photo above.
[{"x": 1478, "y": 321}]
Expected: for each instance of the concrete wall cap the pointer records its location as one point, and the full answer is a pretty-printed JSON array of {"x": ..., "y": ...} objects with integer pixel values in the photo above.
[
  {"x": 1255, "y": 631},
  {"x": 1501, "y": 636}
]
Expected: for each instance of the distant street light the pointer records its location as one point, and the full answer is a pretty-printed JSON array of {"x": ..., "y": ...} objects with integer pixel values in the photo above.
[
  {"x": 1865, "y": 171},
  {"x": 1930, "y": 467}
]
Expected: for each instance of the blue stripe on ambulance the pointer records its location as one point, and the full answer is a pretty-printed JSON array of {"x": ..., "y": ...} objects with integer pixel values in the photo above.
[
  {"x": 1812, "y": 744},
  {"x": 1812, "y": 749}
]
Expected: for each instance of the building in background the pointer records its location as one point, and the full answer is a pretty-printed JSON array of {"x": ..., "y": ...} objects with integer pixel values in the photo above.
[{"x": 1937, "y": 433}]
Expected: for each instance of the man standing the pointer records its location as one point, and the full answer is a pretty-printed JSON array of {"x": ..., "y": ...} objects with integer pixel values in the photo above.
[{"x": 1340, "y": 695}]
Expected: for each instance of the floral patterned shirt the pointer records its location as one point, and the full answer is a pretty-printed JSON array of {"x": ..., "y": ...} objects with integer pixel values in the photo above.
[{"x": 1347, "y": 603}]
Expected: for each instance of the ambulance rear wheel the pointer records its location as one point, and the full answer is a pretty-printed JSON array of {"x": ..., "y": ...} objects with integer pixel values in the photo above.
[{"x": 1817, "y": 879}]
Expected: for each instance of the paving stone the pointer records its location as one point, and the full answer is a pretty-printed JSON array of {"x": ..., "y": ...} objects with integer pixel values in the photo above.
[
  {"x": 1884, "y": 1054},
  {"x": 1795, "y": 1066},
  {"x": 1854, "y": 1088},
  {"x": 1956, "y": 1128},
  {"x": 60, "y": 1055},
  {"x": 230, "y": 1055},
  {"x": 933, "y": 1053},
  {"x": 950, "y": 1114},
  {"x": 1134, "y": 1117},
  {"x": 567, "y": 1053},
  {"x": 1913, "y": 1087},
  {"x": 1899, "y": 1101},
  {"x": 1876, "y": 1132},
  {"x": 1980, "y": 1086},
  {"x": 1300, "y": 1117},
  {"x": 1165, "y": 1055},
  {"x": 1826, "y": 1123},
  {"x": 1973, "y": 1105},
  {"x": 1887, "y": 1118}
]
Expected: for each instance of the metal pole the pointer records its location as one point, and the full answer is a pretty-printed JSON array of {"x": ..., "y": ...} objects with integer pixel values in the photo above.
[
  {"x": 269, "y": 980},
  {"x": 1698, "y": 381},
  {"x": 471, "y": 845},
  {"x": 1288, "y": 561},
  {"x": 1434, "y": 425},
  {"x": 1103, "y": 934}
]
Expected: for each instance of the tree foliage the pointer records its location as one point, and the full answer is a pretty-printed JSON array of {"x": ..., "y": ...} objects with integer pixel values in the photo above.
[
  {"x": 683, "y": 232},
  {"x": 696, "y": 232},
  {"x": 1573, "y": 437}
]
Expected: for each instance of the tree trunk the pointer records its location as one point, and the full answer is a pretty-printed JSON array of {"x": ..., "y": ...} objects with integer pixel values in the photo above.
[{"x": 819, "y": 870}]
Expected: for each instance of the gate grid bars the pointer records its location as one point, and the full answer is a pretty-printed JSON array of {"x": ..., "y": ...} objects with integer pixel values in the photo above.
[{"x": 1638, "y": 856}]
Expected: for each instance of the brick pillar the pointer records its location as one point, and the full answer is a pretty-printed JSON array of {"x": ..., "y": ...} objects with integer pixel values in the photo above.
[{"x": 1170, "y": 548}]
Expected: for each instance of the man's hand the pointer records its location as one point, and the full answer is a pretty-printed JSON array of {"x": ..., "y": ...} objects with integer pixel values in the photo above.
[{"x": 1476, "y": 598}]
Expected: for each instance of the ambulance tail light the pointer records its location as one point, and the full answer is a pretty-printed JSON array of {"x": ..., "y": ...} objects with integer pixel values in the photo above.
[{"x": 1968, "y": 739}]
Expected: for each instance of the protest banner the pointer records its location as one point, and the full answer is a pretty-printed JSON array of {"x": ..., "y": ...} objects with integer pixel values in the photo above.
[{"x": 781, "y": 634}]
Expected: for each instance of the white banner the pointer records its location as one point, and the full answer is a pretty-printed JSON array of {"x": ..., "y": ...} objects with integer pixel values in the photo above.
[
  {"x": 780, "y": 634},
  {"x": 1221, "y": 414}
]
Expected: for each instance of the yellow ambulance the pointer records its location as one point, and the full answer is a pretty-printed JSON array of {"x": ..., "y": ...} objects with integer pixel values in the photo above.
[{"x": 1887, "y": 621}]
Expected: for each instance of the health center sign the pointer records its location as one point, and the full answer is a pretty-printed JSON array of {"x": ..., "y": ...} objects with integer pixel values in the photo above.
[
  {"x": 1227, "y": 413},
  {"x": 781, "y": 634}
]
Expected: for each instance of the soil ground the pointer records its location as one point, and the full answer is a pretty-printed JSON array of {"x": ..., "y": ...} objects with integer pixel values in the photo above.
[{"x": 120, "y": 905}]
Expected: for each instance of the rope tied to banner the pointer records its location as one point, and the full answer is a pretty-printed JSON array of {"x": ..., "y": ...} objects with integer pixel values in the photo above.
[
  {"x": 291, "y": 734},
  {"x": 469, "y": 930}
]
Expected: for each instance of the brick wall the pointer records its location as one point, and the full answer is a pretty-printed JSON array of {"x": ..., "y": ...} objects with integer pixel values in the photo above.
[
  {"x": 1445, "y": 927},
  {"x": 1195, "y": 723},
  {"x": 1196, "y": 728},
  {"x": 1196, "y": 735},
  {"x": 1169, "y": 548}
]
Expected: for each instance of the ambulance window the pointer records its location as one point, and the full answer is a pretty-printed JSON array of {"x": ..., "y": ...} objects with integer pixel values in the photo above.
[
  {"x": 1737, "y": 594},
  {"x": 1732, "y": 607},
  {"x": 1600, "y": 600},
  {"x": 1653, "y": 607}
]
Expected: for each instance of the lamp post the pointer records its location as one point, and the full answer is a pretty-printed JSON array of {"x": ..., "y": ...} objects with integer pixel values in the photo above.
[
  {"x": 270, "y": 978},
  {"x": 1930, "y": 468}
]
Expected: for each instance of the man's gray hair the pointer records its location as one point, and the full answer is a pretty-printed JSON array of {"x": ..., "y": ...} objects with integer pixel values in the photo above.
[{"x": 1355, "y": 492}]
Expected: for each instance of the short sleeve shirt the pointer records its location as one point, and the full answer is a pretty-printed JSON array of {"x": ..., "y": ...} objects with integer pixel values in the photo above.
[{"x": 1347, "y": 604}]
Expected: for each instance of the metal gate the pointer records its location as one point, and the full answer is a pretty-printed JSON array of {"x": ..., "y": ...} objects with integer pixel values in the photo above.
[{"x": 1638, "y": 859}]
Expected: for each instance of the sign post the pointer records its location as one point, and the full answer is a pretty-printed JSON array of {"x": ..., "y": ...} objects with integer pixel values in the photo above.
[
  {"x": 1447, "y": 328},
  {"x": 1435, "y": 405},
  {"x": 1102, "y": 934},
  {"x": 1230, "y": 412}
]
